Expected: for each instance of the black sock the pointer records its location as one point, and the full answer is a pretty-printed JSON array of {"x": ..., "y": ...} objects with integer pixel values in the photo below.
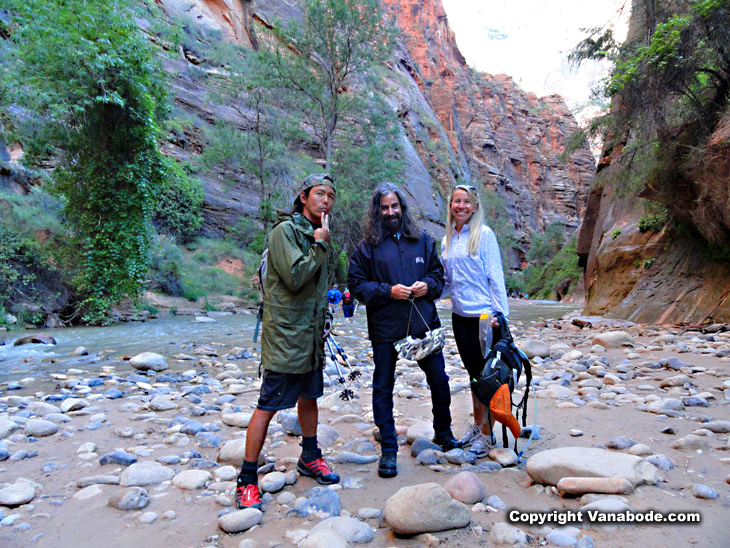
[
  {"x": 249, "y": 473},
  {"x": 310, "y": 451}
]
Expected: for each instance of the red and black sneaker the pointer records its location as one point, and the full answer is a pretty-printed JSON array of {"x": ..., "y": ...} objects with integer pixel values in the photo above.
[
  {"x": 319, "y": 470},
  {"x": 248, "y": 496}
]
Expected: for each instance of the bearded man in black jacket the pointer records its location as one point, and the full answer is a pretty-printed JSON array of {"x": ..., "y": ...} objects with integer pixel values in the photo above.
[{"x": 395, "y": 265}]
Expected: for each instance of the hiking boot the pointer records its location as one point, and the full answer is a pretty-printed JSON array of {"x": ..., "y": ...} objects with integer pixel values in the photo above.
[
  {"x": 248, "y": 496},
  {"x": 481, "y": 445},
  {"x": 471, "y": 433},
  {"x": 448, "y": 442},
  {"x": 319, "y": 470},
  {"x": 387, "y": 468}
]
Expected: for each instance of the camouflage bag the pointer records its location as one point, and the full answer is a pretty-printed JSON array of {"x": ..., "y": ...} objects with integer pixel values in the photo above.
[{"x": 414, "y": 349}]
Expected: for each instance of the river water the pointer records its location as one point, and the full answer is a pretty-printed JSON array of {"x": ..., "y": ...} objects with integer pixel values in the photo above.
[{"x": 176, "y": 334}]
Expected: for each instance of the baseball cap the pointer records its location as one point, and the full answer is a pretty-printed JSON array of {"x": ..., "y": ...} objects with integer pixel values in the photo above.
[{"x": 315, "y": 179}]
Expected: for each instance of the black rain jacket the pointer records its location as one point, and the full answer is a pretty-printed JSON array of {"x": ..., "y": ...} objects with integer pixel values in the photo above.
[{"x": 374, "y": 270}]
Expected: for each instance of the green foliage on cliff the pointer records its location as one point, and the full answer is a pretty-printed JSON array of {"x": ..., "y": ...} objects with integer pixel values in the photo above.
[
  {"x": 557, "y": 277},
  {"x": 30, "y": 233},
  {"x": 670, "y": 88},
  {"x": 92, "y": 95}
]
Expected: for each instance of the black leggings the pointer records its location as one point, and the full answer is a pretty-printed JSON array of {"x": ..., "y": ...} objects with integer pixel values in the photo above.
[{"x": 466, "y": 333}]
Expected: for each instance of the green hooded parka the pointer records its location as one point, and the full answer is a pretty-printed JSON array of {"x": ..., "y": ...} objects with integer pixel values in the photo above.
[{"x": 295, "y": 297}]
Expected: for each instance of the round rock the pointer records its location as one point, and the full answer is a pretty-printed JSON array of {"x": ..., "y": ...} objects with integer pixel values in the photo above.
[
  {"x": 40, "y": 428},
  {"x": 145, "y": 473},
  {"x": 237, "y": 522},
  {"x": 191, "y": 479},
  {"x": 423, "y": 509},
  {"x": 465, "y": 487},
  {"x": 272, "y": 482},
  {"x": 148, "y": 361},
  {"x": 133, "y": 498},
  {"x": 16, "y": 494}
]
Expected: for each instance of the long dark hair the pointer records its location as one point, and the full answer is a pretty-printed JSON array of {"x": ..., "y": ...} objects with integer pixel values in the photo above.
[{"x": 373, "y": 231}]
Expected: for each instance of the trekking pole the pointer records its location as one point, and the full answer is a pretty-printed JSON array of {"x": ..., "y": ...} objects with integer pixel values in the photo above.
[
  {"x": 347, "y": 393},
  {"x": 354, "y": 373},
  {"x": 534, "y": 427}
]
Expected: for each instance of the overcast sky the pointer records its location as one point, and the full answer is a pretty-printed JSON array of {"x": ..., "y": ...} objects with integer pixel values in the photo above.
[{"x": 530, "y": 40}]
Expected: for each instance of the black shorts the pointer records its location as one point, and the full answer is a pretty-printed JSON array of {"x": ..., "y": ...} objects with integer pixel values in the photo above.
[{"x": 282, "y": 390}]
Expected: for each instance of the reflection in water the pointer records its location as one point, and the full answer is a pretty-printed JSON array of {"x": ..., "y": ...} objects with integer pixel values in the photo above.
[{"x": 173, "y": 335}]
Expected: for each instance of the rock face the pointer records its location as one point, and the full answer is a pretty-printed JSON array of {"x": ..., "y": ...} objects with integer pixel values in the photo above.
[
  {"x": 425, "y": 508},
  {"x": 550, "y": 466},
  {"x": 458, "y": 123},
  {"x": 667, "y": 276}
]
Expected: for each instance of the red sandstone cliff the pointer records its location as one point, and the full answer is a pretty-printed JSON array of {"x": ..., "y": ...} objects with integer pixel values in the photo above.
[{"x": 459, "y": 124}]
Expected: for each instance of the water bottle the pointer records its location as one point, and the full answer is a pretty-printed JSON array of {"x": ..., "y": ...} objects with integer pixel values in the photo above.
[{"x": 485, "y": 333}]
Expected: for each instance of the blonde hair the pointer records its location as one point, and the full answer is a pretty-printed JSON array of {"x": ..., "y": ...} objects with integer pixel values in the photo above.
[{"x": 475, "y": 221}]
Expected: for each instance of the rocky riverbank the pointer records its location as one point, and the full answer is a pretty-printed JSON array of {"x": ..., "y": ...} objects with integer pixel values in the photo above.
[{"x": 145, "y": 452}]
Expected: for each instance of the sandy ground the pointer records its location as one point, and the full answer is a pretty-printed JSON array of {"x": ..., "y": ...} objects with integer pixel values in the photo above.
[{"x": 56, "y": 518}]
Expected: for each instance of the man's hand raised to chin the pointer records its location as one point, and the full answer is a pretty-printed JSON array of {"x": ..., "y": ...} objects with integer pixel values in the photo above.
[{"x": 419, "y": 289}]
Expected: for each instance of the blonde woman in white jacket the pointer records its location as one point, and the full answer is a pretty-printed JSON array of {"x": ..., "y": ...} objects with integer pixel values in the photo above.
[{"x": 475, "y": 282}]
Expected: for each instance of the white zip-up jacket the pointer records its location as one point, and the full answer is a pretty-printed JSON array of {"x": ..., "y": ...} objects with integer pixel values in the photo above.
[{"x": 474, "y": 282}]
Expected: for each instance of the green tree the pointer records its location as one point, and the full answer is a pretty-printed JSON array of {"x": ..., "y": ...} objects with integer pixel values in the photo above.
[
  {"x": 318, "y": 59},
  {"x": 93, "y": 97}
]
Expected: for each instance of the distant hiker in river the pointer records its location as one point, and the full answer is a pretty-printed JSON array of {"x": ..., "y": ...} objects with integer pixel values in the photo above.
[
  {"x": 475, "y": 282},
  {"x": 394, "y": 269},
  {"x": 295, "y": 320},
  {"x": 348, "y": 304}
]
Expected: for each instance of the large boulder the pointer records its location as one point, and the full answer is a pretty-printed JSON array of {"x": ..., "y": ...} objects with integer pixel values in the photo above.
[
  {"x": 145, "y": 473},
  {"x": 550, "y": 466},
  {"x": 532, "y": 348},
  {"x": 148, "y": 361},
  {"x": 425, "y": 508},
  {"x": 613, "y": 339}
]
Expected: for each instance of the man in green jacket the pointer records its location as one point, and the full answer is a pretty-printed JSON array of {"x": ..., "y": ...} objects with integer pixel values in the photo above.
[{"x": 292, "y": 343}]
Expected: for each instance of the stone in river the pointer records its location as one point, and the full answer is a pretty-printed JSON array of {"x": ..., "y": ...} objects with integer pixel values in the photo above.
[
  {"x": 192, "y": 427},
  {"x": 346, "y": 457},
  {"x": 191, "y": 479},
  {"x": 532, "y": 348},
  {"x": 240, "y": 420},
  {"x": 320, "y": 500},
  {"x": 665, "y": 404},
  {"x": 581, "y": 485},
  {"x": 40, "y": 428},
  {"x": 290, "y": 422},
  {"x": 97, "y": 480},
  {"x": 232, "y": 452},
  {"x": 459, "y": 456},
  {"x": 6, "y": 427},
  {"x": 118, "y": 457},
  {"x": 690, "y": 442},
  {"x": 563, "y": 536},
  {"x": 323, "y": 537},
  {"x": 113, "y": 394},
  {"x": 550, "y": 466},
  {"x": 88, "y": 492},
  {"x": 326, "y": 435},
  {"x": 704, "y": 492},
  {"x": 148, "y": 361},
  {"x": 272, "y": 482},
  {"x": 239, "y": 521},
  {"x": 162, "y": 403},
  {"x": 423, "y": 509},
  {"x": 350, "y": 529},
  {"x": 718, "y": 427},
  {"x": 465, "y": 487},
  {"x": 661, "y": 461},
  {"x": 73, "y": 404},
  {"x": 504, "y": 533},
  {"x": 421, "y": 444},
  {"x": 613, "y": 339},
  {"x": 38, "y": 338},
  {"x": 133, "y": 498},
  {"x": 640, "y": 450},
  {"x": 676, "y": 380},
  {"x": 503, "y": 455},
  {"x": 145, "y": 473},
  {"x": 620, "y": 442},
  {"x": 16, "y": 494},
  {"x": 420, "y": 429}
]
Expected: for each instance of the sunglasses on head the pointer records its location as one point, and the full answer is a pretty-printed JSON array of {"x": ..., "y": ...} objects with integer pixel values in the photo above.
[{"x": 466, "y": 187}]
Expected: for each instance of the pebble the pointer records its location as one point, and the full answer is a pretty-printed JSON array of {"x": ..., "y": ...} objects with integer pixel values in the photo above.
[
  {"x": 132, "y": 498},
  {"x": 321, "y": 500},
  {"x": 145, "y": 473},
  {"x": 17, "y": 494},
  {"x": 345, "y": 457},
  {"x": 272, "y": 482},
  {"x": 239, "y": 521},
  {"x": 465, "y": 487},
  {"x": 704, "y": 492},
  {"x": 191, "y": 479},
  {"x": 118, "y": 457},
  {"x": 148, "y": 517},
  {"x": 40, "y": 428}
]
